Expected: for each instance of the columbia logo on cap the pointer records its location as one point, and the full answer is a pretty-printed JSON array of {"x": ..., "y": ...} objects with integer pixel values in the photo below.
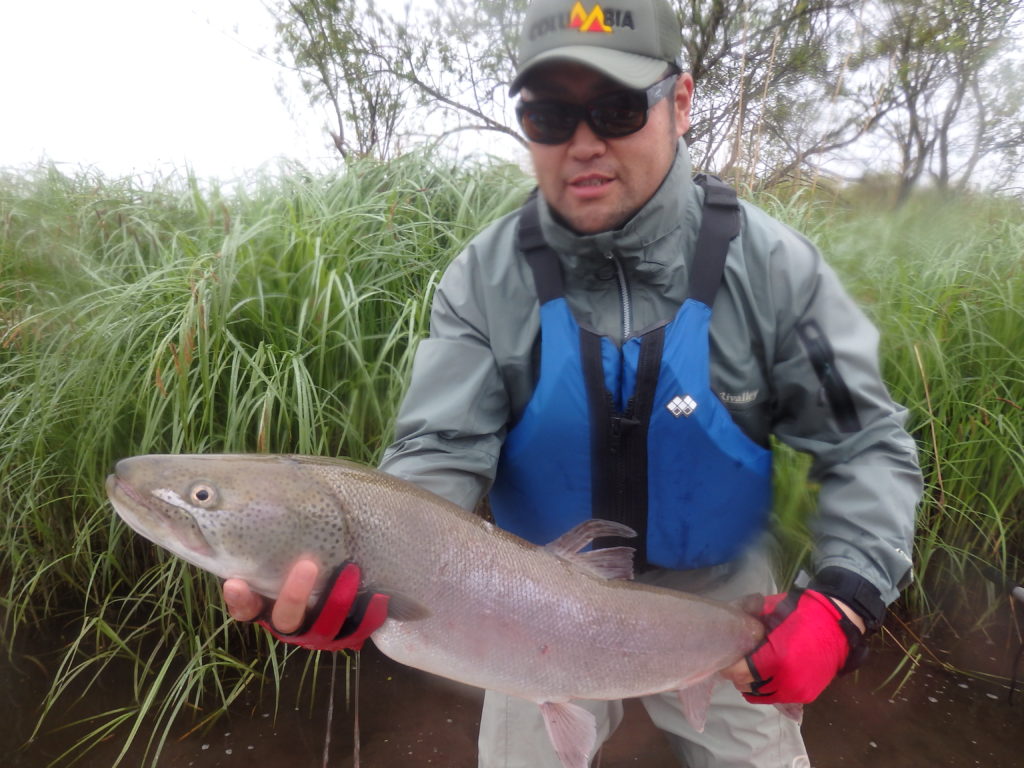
[
  {"x": 598, "y": 19},
  {"x": 594, "y": 22},
  {"x": 633, "y": 42}
]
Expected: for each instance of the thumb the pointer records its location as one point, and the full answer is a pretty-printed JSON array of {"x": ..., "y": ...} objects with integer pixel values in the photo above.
[{"x": 739, "y": 675}]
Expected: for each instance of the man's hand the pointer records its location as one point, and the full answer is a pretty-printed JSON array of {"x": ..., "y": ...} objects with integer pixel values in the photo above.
[
  {"x": 290, "y": 607},
  {"x": 805, "y": 646},
  {"x": 343, "y": 619}
]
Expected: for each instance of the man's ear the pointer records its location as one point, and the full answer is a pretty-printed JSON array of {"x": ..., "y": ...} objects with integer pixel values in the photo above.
[{"x": 682, "y": 102}]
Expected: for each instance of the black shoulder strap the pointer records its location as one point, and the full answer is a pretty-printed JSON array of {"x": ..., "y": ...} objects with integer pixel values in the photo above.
[
  {"x": 543, "y": 261},
  {"x": 720, "y": 223}
]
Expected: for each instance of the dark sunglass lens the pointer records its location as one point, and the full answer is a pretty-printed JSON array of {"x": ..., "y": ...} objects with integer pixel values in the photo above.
[
  {"x": 618, "y": 114},
  {"x": 548, "y": 123}
]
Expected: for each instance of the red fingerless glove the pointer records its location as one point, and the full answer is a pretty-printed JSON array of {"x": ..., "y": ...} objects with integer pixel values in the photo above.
[
  {"x": 344, "y": 618},
  {"x": 806, "y": 645}
]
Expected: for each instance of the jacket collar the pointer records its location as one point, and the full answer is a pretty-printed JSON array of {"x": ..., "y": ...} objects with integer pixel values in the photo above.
[{"x": 675, "y": 204}]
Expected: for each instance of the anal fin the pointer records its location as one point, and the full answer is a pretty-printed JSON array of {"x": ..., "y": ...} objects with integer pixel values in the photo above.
[
  {"x": 572, "y": 730},
  {"x": 695, "y": 700},
  {"x": 794, "y": 712}
]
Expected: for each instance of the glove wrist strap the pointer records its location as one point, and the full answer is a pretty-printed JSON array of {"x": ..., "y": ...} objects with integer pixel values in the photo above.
[
  {"x": 853, "y": 590},
  {"x": 855, "y": 639}
]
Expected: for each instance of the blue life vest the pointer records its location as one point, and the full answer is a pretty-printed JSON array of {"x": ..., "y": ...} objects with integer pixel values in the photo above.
[{"x": 634, "y": 433}]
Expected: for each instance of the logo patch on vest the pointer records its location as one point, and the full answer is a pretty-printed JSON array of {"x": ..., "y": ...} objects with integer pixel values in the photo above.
[
  {"x": 681, "y": 406},
  {"x": 738, "y": 398}
]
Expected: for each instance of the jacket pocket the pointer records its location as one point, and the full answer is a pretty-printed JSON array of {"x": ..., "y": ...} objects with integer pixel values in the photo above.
[{"x": 833, "y": 388}]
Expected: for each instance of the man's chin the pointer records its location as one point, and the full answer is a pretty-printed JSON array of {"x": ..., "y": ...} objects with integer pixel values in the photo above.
[{"x": 591, "y": 220}]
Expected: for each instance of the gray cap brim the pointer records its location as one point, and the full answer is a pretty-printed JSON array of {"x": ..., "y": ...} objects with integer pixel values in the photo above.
[{"x": 630, "y": 69}]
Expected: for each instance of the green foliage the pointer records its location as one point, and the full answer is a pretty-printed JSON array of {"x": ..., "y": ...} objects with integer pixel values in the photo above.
[
  {"x": 944, "y": 282},
  {"x": 280, "y": 315}
]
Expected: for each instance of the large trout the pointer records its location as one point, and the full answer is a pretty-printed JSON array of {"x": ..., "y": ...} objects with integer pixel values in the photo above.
[{"x": 469, "y": 601}]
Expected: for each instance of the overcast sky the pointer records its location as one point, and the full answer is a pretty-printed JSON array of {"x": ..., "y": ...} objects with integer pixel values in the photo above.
[{"x": 132, "y": 86}]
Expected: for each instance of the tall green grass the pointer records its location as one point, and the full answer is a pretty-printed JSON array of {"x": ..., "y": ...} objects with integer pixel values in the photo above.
[
  {"x": 280, "y": 315},
  {"x": 276, "y": 316},
  {"x": 943, "y": 279},
  {"x": 952, "y": 313}
]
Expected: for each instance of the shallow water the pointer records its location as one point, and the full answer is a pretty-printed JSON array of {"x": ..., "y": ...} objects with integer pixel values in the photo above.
[{"x": 409, "y": 718}]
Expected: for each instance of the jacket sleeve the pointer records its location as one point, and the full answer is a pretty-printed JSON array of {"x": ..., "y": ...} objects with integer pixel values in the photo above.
[
  {"x": 831, "y": 402},
  {"x": 452, "y": 421}
]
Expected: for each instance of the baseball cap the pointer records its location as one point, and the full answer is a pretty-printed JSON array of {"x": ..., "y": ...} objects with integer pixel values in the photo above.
[{"x": 630, "y": 41}]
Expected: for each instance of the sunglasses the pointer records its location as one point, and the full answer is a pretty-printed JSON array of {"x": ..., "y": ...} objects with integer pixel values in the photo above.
[{"x": 610, "y": 116}]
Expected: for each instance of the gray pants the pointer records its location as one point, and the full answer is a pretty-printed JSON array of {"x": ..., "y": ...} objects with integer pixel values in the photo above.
[{"x": 737, "y": 734}]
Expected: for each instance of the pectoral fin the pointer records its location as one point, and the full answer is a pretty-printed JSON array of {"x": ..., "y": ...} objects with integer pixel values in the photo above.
[
  {"x": 404, "y": 608},
  {"x": 752, "y": 604},
  {"x": 572, "y": 730}
]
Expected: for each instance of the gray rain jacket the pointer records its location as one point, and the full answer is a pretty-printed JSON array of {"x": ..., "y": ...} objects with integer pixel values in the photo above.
[{"x": 791, "y": 356}]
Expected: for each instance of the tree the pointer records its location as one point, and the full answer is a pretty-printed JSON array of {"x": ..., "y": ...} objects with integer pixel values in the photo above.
[
  {"x": 336, "y": 47},
  {"x": 781, "y": 87},
  {"x": 447, "y": 64},
  {"x": 772, "y": 93},
  {"x": 463, "y": 69},
  {"x": 940, "y": 59}
]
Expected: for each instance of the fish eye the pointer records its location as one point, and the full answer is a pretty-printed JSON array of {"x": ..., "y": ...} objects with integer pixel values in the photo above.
[{"x": 202, "y": 494}]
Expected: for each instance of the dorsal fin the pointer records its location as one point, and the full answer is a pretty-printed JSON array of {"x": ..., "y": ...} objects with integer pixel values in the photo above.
[
  {"x": 608, "y": 563},
  {"x": 576, "y": 538}
]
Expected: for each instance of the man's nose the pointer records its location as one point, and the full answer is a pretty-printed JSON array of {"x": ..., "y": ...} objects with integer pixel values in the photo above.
[{"x": 585, "y": 144}]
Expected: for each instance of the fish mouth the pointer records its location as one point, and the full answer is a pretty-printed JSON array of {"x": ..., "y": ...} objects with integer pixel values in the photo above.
[{"x": 157, "y": 520}]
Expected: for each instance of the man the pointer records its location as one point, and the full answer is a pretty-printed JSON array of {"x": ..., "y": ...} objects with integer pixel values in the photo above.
[{"x": 625, "y": 347}]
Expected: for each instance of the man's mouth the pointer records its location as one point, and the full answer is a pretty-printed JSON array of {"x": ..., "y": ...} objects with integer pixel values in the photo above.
[{"x": 588, "y": 186}]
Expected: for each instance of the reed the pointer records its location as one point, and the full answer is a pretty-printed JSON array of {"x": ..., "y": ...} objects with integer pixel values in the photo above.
[
  {"x": 943, "y": 279},
  {"x": 277, "y": 316},
  {"x": 280, "y": 315}
]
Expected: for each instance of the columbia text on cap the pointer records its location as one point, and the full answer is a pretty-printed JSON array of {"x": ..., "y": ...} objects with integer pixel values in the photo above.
[{"x": 631, "y": 41}]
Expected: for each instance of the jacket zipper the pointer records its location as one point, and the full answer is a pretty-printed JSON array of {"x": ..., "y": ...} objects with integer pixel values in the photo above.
[
  {"x": 625, "y": 299},
  {"x": 834, "y": 391},
  {"x": 622, "y": 420}
]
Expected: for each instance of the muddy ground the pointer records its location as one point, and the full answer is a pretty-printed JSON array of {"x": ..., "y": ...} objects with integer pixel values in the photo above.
[{"x": 408, "y": 718}]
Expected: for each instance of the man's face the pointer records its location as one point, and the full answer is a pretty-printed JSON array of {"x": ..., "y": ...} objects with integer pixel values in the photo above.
[{"x": 598, "y": 184}]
